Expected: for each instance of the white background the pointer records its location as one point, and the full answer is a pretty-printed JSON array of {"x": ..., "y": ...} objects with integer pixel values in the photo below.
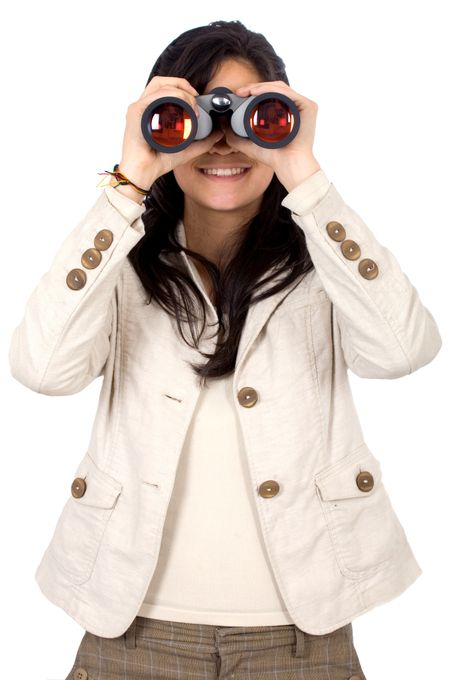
[{"x": 378, "y": 72}]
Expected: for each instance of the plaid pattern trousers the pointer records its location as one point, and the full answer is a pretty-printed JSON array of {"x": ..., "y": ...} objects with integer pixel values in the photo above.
[{"x": 170, "y": 650}]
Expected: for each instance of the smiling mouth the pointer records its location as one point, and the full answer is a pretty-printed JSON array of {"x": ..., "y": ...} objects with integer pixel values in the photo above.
[{"x": 224, "y": 173}]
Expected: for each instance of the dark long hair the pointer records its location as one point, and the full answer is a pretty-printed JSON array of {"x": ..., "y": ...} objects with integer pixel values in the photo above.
[{"x": 270, "y": 239}]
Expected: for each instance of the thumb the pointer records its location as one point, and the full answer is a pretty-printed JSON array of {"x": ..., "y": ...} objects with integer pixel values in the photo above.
[
  {"x": 239, "y": 143},
  {"x": 200, "y": 146}
]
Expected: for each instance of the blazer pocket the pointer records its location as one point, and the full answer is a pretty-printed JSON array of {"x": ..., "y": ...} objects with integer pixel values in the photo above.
[
  {"x": 364, "y": 528},
  {"x": 82, "y": 523}
]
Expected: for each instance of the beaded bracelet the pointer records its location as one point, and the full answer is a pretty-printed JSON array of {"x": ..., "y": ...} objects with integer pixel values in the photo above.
[{"x": 122, "y": 179}]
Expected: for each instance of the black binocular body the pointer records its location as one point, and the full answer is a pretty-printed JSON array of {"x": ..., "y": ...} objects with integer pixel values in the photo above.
[{"x": 170, "y": 124}]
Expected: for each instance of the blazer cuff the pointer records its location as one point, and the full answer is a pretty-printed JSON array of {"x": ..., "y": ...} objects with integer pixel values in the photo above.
[
  {"x": 305, "y": 196},
  {"x": 128, "y": 208}
]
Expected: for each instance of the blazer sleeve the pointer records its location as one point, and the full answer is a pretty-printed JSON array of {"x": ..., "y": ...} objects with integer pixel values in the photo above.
[
  {"x": 63, "y": 340},
  {"x": 383, "y": 328}
]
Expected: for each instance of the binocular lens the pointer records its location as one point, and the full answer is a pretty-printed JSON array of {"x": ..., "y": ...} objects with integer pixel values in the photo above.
[
  {"x": 271, "y": 120},
  {"x": 169, "y": 124}
]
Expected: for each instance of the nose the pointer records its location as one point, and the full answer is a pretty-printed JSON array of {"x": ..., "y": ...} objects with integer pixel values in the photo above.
[{"x": 221, "y": 146}]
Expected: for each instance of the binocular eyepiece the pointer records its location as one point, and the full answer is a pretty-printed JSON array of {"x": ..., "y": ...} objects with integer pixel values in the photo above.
[{"x": 270, "y": 120}]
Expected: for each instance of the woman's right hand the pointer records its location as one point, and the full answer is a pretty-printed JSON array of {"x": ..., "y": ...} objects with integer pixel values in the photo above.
[{"x": 140, "y": 162}]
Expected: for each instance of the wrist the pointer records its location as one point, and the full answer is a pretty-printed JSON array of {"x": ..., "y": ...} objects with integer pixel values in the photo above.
[
  {"x": 294, "y": 172},
  {"x": 142, "y": 178},
  {"x": 127, "y": 190}
]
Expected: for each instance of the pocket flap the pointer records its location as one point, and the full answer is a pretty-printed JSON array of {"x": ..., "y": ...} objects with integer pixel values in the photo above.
[
  {"x": 102, "y": 490},
  {"x": 339, "y": 479}
]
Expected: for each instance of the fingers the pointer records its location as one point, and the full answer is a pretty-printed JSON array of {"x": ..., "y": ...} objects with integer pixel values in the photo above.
[
  {"x": 274, "y": 86},
  {"x": 159, "y": 81},
  {"x": 167, "y": 91}
]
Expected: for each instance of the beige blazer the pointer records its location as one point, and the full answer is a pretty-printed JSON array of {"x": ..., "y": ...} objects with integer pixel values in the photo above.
[{"x": 335, "y": 544}]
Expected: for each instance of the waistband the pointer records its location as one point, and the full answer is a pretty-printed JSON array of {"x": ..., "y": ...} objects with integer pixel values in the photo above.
[{"x": 206, "y": 638}]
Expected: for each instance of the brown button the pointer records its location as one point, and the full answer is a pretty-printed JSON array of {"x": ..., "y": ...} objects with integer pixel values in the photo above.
[
  {"x": 103, "y": 239},
  {"x": 364, "y": 481},
  {"x": 78, "y": 487},
  {"x": 80, "y": 673},
  {"x": 269, "y": 488},
  {"x": 350, "y": 249},
  {"x": 247, "y": 396},
  {"x": 336, "y": 231},
  {"x": 368, "y": 268},
  {"x": 76, "y": 279},
  {"x": 91, "y": 258}
]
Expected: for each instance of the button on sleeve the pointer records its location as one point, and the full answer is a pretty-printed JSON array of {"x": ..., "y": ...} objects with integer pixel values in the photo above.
[{"x": 62, "y": 342}]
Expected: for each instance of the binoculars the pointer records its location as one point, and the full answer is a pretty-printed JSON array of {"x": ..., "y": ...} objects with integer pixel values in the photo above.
[{"x": 170, "y": 124}]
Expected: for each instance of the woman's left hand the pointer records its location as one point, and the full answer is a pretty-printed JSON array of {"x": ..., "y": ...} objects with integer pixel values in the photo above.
[{"x": 294, "y": 162}]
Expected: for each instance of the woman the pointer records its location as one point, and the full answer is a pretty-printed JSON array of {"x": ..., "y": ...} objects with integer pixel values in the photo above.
[{"x": 228, "y": 518}]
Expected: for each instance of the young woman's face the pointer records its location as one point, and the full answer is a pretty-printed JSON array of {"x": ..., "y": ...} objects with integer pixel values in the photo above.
[{"x": 240, "y": 191}]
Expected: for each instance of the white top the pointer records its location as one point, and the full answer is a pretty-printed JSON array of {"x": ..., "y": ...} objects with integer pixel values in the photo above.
[{"x": 213, "y": 567}]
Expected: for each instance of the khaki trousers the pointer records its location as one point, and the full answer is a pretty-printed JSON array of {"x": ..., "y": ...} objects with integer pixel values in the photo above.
[{"x": 169, "y": 650}]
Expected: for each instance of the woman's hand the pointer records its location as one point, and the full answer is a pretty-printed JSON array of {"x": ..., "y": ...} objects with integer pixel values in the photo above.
[
  {"x": 294, "y": 162},
  {"x": 140, "y": 162}
]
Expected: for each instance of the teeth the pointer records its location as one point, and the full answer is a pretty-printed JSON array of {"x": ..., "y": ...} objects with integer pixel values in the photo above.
[{"x": 224, "y": 172}]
